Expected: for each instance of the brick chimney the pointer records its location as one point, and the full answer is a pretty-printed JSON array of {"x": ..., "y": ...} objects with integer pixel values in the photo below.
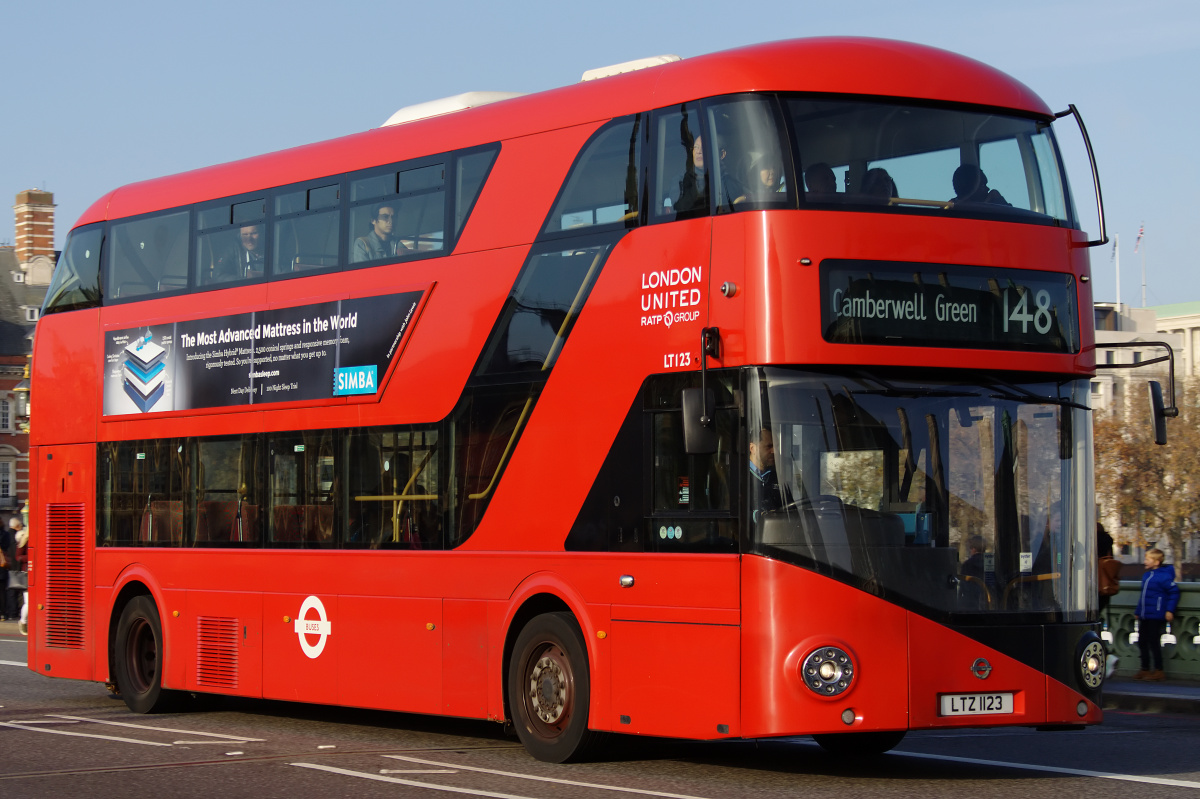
[{"x": 35, "y": 225}]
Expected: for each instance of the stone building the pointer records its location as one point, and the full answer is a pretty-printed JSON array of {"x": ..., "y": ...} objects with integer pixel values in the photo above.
[{"x": 25, "y": 270}]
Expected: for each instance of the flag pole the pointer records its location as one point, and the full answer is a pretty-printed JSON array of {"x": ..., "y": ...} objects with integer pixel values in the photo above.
[
  {"x": 1137, "y": 246},
  {"x": 1117, "y": 261}
]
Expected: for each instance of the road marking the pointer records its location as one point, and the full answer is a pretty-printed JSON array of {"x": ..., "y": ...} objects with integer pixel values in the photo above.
[
  {"x": 417, "y": 771},
  {"x": 413, "y": 783},
  {"x": 1103, "y": 775},
  {"x": 20, "y": 663},
  {"x": 542, "y": 779},
  {"x": 16, "y": 726},
  {"x": 237, "y": 738},
  {"x": 42, "y": 721}
]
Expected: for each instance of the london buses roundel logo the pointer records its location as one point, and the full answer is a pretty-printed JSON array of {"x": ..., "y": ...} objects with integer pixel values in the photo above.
[{"x": 321, "y": 627}]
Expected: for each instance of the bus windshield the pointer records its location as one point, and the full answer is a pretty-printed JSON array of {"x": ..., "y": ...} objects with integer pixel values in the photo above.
[
  {"x": 954, "y": 498},
  {"x": 879, "y": 155}
]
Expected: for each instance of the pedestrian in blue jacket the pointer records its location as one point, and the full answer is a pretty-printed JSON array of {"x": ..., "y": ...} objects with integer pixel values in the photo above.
[{"x": 1156, "y": 606}]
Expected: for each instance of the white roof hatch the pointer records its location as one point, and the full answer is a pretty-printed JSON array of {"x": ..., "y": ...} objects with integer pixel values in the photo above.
[{"x": 446, "y": 105}]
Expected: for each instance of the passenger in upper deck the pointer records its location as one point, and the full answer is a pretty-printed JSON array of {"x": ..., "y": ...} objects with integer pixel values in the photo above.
[
  {"x": 878, "y": 184},
  {"x": 693, "y": 187},
  {"x": 378, "y": 243},
  {"x": 970, "y": 186},
  {"x": 820, "y": 180},
  {"x": 248, "y": 261},
  {"x": 765, "y": 181}
]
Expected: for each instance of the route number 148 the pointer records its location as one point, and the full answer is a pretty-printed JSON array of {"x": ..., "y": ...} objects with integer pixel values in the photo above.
[{"x": 1020, "y": 313}]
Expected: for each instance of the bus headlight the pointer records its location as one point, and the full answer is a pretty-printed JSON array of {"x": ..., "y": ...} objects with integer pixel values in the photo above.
[
  {"x": 828, "y": 671},
  {"x": 1091, "y": 663}
]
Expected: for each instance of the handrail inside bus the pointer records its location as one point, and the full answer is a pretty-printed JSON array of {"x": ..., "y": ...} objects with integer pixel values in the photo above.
[
  {"x": 392, "y": 497},
  {"x": 1028, "y": 578},
  {"x": 943, "y": 204},
  {"x": 400, "y": 502},
  {"x": 554, "y": 348}
]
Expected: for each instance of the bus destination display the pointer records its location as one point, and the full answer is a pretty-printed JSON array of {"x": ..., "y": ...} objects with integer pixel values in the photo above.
[
  {"x": 305, "y": 352},
  {"x": 939, "y": 305}
]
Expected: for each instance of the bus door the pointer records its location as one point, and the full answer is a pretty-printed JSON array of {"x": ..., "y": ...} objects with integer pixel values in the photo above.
[
  {"x": 61, "y": 567},
  {"x": 675, "y": 624}
]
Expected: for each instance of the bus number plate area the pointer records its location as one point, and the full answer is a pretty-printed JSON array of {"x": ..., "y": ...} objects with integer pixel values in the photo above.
[{"x": 974, "y": 704}]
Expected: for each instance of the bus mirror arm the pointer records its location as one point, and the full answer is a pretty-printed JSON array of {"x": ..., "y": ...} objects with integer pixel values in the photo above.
[
  {"x": 1160, "y": 411},
  {"x": 1087, "y": 143},
  {"x": 698, "y": 405}
]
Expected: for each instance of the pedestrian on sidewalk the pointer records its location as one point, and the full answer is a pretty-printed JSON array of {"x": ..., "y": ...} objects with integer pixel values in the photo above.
[
  {"x": 1109, "y": 585},
  {"x": 22, "y": 541},
  {"x": 8, "y": 562},
  {"x": 1156, "y": 606}
]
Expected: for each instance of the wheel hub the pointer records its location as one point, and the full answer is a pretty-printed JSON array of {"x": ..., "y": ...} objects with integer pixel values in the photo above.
[{"x": 548, "y": 689}]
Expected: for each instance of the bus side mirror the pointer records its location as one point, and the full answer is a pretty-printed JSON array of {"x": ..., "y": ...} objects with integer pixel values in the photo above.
[
  {"x": 1158, "y": 413},
  {"x": 699, "y": 427}
]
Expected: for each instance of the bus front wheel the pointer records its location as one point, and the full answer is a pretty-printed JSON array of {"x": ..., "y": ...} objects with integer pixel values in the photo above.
[
  {"x": 138, "y": 658},
  {"x": 859, "y": 744},
  {"x": 549, "y": 689}
]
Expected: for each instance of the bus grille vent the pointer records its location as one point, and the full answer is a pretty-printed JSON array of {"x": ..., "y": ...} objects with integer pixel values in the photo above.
[
  {"x": 66, "y": 565},
  {"x": 217, "y": 658}
]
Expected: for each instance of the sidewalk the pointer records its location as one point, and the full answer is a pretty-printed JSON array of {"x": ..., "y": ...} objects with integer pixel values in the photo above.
[
  {"x": 1173, "y": 696},
  {"x": 8, "y": 628}
]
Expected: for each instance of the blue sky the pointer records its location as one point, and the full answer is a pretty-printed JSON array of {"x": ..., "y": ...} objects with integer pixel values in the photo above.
[{"x": 97, "y": 95}]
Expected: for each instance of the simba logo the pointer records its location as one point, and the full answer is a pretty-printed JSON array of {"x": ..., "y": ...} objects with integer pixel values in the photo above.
[{"x": 355, "y": 380}]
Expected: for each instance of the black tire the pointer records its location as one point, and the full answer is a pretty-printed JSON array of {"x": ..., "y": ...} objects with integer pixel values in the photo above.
[
  {"x": 138, "y": 658},
  {"x": 549, "y": 689},
  {"x": 859, "y": 744}
]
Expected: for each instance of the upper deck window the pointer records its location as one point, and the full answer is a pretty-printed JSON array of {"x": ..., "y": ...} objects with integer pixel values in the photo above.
[
  {"x": 604, "y": 184},
  {"x": 76, "y": 282},
  {"x": 307, "y": 230},
  {"x": 231, "y": 243},
  {"x": 149, "y": 255},
  {"x": 747, "y": 155},
  {"x": 887, "y": 156},
  {"x": 680, "y": 178},
  {"x": 397, "y": 214}
]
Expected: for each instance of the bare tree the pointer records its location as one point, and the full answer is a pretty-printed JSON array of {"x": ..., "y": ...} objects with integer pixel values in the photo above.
[{"x": 1155, "y": 485}]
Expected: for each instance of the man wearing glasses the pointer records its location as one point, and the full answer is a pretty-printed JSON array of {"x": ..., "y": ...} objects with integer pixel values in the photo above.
[{"x": 378, "y": 243}]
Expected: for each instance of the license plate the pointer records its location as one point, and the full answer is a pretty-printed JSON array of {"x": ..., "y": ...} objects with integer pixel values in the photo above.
[{"x": 974, "y": 704}]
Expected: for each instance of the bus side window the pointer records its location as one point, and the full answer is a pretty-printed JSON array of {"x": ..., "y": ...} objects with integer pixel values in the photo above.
[
  {"x": 604, "y": 184},
  {"x": 691, "y": 505},
  {"x": 228, "y": 493},
  {"x": 306, "y": 240},
  {"x": 748, "y": 159},
  {"x": 302, "y": 489},
  {"x": 140, "y": 493},
  {"x": 149, "y": 255},
  {"x": 472, "y": 170},
  {"x": 680, "y": 178},
  {"x": 394, "y": 489}
]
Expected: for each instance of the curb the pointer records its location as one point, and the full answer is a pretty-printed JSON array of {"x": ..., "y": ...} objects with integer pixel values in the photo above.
[{"x": 1182, "y": 703}]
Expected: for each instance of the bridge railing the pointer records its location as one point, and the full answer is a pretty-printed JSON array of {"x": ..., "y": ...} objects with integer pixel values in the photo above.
[{"x": 1181, "y": 660}]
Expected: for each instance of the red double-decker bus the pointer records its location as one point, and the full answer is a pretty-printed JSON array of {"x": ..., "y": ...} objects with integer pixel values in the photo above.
[{"x": 737, "y": 396}]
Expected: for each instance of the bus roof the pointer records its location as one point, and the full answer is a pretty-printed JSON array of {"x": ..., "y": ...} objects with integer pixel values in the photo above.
[{"x": 834, "y": 65}]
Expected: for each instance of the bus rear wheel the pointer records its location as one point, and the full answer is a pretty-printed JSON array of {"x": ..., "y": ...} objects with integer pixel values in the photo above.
[
  {"x": 138, "y": 658},
  {"x": 549, "y": 689},
  {"x": 859, "y": 744}
]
